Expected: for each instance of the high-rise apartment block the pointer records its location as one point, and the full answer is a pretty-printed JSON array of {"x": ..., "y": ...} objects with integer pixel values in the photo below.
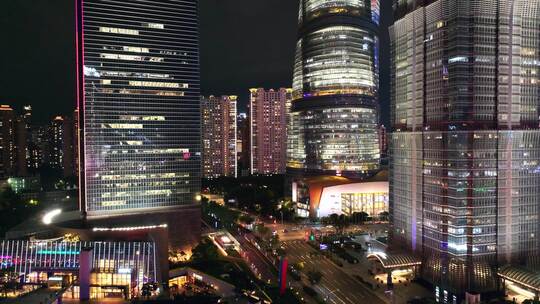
[
  {"x": 16, "y": 142},
  {"x": 243, "y": 146},
  {"x": 268, "y": 117},
  {"x": 28, "y": 147},
  {"x": 139, "y": 105},
  {"x": 465, "y": 147},
  {"x": 7, "y": 141},
  {"x": 60, "y": 145},
  {"x": 23, "y": 127},
  {"x": 218, "y": 119},
  {"x": 75, "y": 141}
]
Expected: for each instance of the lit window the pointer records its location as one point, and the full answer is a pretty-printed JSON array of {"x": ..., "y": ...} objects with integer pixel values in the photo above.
[
  {"x": 115, "y": 30},
  {"x": 155, "y": 25}
]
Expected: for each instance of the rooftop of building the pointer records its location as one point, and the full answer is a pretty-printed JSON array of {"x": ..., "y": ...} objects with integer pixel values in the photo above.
[
  {"x": 521, "y": 276},
  {"x": 333, "y": 180}
]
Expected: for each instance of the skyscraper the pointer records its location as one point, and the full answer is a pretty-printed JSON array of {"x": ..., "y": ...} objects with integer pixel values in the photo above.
[
  {"x": 139, "y": 107},
  {"x": 465, "y": 147},
  {"x": 218, "y": 118},
  {"x": 22, "y": 140},
  {"x": 7, "y": 141},
  {"x": 334, "y": 113},
  {"x": 268, "y": 114},
  {"x": 383, "y": 140},
  {"x": 60, "y": 148},
  {"x": 75, "y": 141},
  {"x": 242, "y": 139}
]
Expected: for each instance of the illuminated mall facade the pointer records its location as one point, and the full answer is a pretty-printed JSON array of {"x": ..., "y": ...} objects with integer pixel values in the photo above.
[
  {"x": 334, "y": 113},
  {"x": 115, "y": 269},
  {"x": 465, "y": 147}
]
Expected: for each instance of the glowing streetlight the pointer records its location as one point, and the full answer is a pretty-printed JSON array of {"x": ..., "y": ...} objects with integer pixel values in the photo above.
[{"x": 48, "y": 217}]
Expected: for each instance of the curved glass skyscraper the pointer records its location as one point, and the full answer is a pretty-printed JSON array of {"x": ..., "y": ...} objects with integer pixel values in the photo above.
[{"x": 334, "y": 113}]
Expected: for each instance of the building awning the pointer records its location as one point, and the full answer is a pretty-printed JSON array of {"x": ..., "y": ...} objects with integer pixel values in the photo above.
[
  {"x": 395, "y": 261},
  {"x": 521, "y": 276}
]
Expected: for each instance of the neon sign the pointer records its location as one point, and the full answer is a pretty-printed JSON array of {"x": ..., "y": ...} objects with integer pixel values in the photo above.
[{"x": 58, "y": 252}]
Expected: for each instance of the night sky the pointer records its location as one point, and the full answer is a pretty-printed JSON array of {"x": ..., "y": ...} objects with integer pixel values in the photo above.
[{"x": 244, "y": 44}]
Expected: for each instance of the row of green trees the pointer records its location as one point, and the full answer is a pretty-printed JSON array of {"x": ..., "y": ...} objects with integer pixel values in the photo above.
[
  {"x": 341, "y": 222},
  {"x": 263, "y": 195}
]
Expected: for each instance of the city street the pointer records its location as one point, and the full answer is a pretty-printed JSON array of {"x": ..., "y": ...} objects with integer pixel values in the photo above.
[
  {"x": 256, "y": 259},
  {"x": 253, "y": 257},
  {"x": 336, "y": 286}
]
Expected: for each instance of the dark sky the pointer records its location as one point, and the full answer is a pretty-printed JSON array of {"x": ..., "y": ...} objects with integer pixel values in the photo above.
[{"x": 244, "y": 44}]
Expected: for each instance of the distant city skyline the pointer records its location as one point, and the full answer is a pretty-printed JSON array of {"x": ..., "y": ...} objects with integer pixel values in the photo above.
[{"x": 230, "y": 64}]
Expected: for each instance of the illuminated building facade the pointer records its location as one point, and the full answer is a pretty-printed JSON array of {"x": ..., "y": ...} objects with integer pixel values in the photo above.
[
  {"x": 23, "y": 130},
  {"x": 242, "y": 139},
  {"x": 333, "y": 125},
  {"x": 218, "y": 118},
  {"x": 465, "y": 147},
  {"x": 268, "y": 119},
  {"x": 139, "y": 105},
  {"x": 7, "y": 141},
  {"x": 61, "y": 150},
  {"x": 383, "y": 140},
  {"x": 347, "y": 199},
  {"x": 15, "y": 141},
  {"x": 75, "y": 142},
  {"x": 334, "y": 117},
  {"x": 329, "y": 195},
  {"x": 118, "y": 269}
]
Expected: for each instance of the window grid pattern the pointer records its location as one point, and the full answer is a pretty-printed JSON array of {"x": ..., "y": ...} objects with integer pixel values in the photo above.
[
  {"x": 218, "y": 118},
  {"x": 268, "y": 129},
  {"x": 464, "y": 153},
  {"x": 334, "y": 116},
  {"x": 335, "y": 139},
  {"x": 141, "y": 110},
  {"x": 28, "y": 257},
  {"x": 312, "y": 9}
]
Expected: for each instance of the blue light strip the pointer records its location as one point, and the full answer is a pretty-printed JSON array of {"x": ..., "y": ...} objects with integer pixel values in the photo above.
[{"x": 58, "y": 252}]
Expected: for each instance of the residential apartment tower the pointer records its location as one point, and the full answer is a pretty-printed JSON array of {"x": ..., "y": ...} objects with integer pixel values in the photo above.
[{"x": 218, "y": 118}]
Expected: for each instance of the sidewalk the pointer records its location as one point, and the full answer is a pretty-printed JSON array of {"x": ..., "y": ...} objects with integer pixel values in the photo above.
[
  {"x": 39, "y": 296},
  {"x": 402, "y": 293}
]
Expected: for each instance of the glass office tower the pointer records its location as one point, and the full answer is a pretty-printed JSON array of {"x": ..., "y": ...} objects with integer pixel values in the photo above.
[
  {"x": 334, "y": 114},
  {"x": 138, "y": 93},
  {"x": 465, "y": 147}
]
